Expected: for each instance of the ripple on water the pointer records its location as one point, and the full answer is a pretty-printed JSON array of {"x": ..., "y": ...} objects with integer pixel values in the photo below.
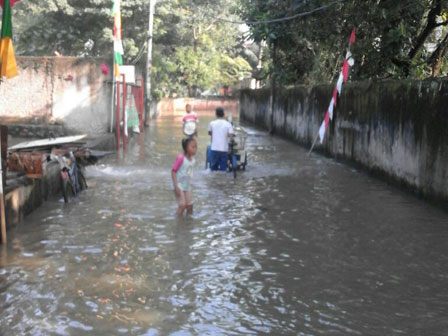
[{"x": 293, "y": 246}]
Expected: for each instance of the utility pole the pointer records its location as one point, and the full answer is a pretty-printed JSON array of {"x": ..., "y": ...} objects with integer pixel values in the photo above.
[
  {"x": 260, "y": 63},
  {"x": 152, "y": 7},
  {"x": 273, "y": 89}
]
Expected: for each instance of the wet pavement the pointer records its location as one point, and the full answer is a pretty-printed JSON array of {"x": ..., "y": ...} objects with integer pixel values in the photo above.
[{"x": 294, "y": 246}]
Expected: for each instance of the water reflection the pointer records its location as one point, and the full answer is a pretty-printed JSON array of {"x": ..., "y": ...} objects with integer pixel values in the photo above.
[{"x": 293, "y": 246}]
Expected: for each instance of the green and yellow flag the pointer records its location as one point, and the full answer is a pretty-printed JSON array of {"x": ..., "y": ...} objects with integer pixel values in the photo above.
[{"x": 8, "y": 66}]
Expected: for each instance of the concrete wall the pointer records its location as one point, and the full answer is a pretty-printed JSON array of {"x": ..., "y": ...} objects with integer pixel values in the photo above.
[
  {"x": 398, "y": 129},
  {"x": 176, "y": 106},
  {"x": 24, "y": 195},
  {"x": 66, "y": 90}
]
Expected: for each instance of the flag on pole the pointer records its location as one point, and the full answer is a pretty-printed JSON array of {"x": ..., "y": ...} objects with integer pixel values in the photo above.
[
  {"x": 8, "y": 65},
  {"x": 343, "y": 78},
  {"x": 118, "y": 45},
  {"x": 11, "y": 2},
  {"x": 345, "y": 69},
  {"x": 331, "y": 108},
  {"x": 340, "y": 82},
  {"x": 352, "y": 38}
]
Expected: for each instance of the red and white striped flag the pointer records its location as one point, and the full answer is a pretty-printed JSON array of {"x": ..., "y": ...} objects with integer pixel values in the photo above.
[{"x": 343, "y": 78}]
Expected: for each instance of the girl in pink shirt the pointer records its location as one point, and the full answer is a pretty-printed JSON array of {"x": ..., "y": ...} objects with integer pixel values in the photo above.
[{"x": 181, "y": 175}]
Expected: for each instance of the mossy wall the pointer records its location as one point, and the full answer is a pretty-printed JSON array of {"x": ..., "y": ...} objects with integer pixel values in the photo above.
[{"x": 398, "y": 129}]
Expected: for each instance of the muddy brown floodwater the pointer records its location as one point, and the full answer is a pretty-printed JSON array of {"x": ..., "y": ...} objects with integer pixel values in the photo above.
[{"x": 294, "y": 246}]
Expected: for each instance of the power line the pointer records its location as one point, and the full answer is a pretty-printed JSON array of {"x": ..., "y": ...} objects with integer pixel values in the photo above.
[
  {"x": 140, "y": 53},
  {"x": 288, "y": 18}
]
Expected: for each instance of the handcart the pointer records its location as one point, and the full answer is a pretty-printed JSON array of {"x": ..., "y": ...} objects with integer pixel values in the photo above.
[{"x": 237, "y": 154}]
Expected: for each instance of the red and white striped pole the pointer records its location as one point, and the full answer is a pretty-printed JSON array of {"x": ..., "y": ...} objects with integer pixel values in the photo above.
[{"x": 343, "y": 78}]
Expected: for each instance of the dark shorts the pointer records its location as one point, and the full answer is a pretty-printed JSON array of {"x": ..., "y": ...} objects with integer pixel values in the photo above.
[{"x": 218, "y": 161}]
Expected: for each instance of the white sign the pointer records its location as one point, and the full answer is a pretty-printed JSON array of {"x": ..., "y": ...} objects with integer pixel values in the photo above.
[{"x": 129, "y": 72}]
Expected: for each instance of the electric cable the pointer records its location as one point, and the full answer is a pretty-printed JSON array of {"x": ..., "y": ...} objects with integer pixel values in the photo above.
[{"x": 288, "y": 18}]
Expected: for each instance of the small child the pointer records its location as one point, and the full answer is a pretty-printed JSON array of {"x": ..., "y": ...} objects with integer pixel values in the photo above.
[
  {"x": 189, "y": 114},
  {"x": 181, "y": 175},
  {"x": 190, "y": 122}
]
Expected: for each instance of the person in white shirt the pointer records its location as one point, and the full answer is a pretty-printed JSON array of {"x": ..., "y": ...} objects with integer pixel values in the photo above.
[{"x": 220, "y": 130}]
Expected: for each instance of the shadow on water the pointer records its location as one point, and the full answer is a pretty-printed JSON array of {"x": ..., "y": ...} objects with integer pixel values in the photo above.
[{"x": 293, "y": 246}]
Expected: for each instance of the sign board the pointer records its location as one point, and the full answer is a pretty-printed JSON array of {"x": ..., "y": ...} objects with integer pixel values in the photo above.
[{"x": 129, "y": 72}]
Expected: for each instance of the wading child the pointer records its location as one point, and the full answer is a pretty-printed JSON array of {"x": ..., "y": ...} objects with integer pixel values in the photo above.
[
  {"x": 189, "y": 114},
  {"x": 181, "y": 175},
  {"x": 190, "y": 122}
]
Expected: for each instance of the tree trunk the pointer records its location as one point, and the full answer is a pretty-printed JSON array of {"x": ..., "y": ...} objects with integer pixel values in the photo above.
[
  {"x": 431, "y": 24},
  {"x": 436, "y": 57}
]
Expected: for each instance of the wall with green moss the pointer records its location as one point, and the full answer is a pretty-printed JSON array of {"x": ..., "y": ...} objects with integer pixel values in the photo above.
[{"x": 398, "y": 129}]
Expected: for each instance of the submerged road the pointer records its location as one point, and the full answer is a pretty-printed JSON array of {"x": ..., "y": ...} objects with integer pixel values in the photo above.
[{"x": 294, "y": 246}]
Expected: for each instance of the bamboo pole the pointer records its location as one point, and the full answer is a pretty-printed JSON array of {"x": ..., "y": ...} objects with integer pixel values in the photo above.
[
  {"x": 314, "y": 144},
  {"x": 2, "y": 198},
  {"x": 2, "y": 210}
]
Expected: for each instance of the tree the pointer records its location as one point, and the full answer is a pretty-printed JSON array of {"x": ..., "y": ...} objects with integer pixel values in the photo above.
[
  {"x": 192, "y": 48},
  {"x": 201, "y": 46},
  {"x": 67, "y": 26},
  {"x": 392, "y": 37}
]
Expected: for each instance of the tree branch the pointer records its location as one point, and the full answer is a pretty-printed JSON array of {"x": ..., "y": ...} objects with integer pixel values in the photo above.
[
  {"x": 431, "y": 24},
  {"x": 444, "y": 23},
  {"x": 212, "y": 23},
  {"x": 435, "y": 59}
]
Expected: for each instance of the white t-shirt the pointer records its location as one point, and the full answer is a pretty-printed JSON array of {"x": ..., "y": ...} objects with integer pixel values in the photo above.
[{"x": 220, "y": 129}]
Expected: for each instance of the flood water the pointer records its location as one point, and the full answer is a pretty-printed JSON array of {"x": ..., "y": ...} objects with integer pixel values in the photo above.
[{"x": 296, "y": 245}]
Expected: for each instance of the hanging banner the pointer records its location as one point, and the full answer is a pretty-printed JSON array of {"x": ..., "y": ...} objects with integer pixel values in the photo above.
[{"x": 8, "y": 65}]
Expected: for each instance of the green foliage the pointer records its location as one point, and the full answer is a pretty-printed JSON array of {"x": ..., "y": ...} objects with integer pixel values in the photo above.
[
  {"x": 191, "y": 47},
  {"x": 309, "y": 49},
  {"x": 66, "y": 26},
  {"x": 207, "y": 52}
]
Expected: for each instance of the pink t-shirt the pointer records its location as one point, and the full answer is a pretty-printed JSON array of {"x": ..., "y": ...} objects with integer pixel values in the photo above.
[
  {"x": 190, "y": 116},
  {"x": 183, "y": 167},
  {"x": 178, "y": 163}
]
